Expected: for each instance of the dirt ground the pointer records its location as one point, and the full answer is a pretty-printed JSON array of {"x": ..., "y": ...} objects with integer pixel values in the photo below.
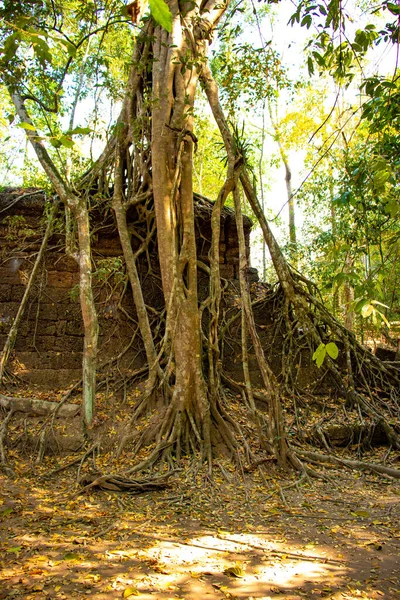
[{"x": 246, "y": 538}]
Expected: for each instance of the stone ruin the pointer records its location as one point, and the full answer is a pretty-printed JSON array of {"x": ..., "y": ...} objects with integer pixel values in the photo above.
[{"x": 48, "y": 348}]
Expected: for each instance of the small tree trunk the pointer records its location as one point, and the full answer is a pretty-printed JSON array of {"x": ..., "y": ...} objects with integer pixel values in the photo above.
[
  {"x": 78, "y": 207},
  {"x": 130, "y": 261},
  {"x": 270, "y": 383},
  {"x": 335, "y": 299},
  {"x": 348, "y": 293},
  {"x": 89, "y": 314}
]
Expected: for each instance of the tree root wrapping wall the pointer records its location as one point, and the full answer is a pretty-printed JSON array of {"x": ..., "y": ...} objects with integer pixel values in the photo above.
[
  {"x": 49, "y": 343},
  {"x": 48, "y": 348}
]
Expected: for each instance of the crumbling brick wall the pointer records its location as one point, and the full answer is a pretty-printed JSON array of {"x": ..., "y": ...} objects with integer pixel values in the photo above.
[{"x": 48, "y": 349}]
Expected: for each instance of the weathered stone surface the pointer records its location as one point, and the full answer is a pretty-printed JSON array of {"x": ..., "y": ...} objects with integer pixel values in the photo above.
[
  {"x": 232, "y": 253},
  {"x": 32, "y": 360},
  {"x": 5, "y": 292},
  {"x": 9, "y": 275},
  {"x": 17, "y": 293},
  {"x": 45, "y": 328},
  {"x": 74, "y": 327},
  {"x": 46, "y": 312},
  {"x": 63, "y": 279},
  {"x": 9, "y": 309},
  {"x": 57, "y": 295},
  {"x": 50, "y": 379},
  {"x": 227, "y": 271},
  {"x": 50, "y": 337},
  {"x": 62, "y": 262}
]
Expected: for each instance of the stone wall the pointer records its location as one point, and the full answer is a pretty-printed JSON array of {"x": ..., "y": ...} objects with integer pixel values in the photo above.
[{"x": 49, "y": 343}]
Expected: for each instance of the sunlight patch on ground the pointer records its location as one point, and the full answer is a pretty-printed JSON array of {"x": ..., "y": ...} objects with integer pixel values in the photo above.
[{"x": 265, "y": 567}]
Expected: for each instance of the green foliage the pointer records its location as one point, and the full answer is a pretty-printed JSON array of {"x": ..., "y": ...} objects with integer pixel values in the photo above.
[
  {"x": 50, "y": 52},
  {"x": 74, "y": 293},
  {"x": 320, "y": 353},
  {"x": 331, "y": 49},
  {"x": 355, "y": 193},
  {"x": 14, "y": 221},
  {"x": 17, "y": 227},
  {"x": 367, "y": 308},
  {"x": 209, "y": 173},
  {"x": 161, "y": 14},
  {"x": 108, "y": 268}
]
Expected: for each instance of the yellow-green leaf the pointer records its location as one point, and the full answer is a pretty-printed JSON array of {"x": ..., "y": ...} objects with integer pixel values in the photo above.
[
  {"x": 235, "y": 571},
  {"x": 15, "y": 549},
  {"x": 27, "y": 126},
  {"x": 71, "y": 556},
  {"x": 367, "y": 310},
  {"x": 360, "y": 513},
  {"x": 130, "y": 591},
  {"x": 332, "y": 350}
]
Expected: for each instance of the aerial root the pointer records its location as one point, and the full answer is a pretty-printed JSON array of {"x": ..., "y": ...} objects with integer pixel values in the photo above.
[
  {"x": 3, "y": 432},
  {"x": 118, "y": 483},
  {"x": 317, "y": 457}
]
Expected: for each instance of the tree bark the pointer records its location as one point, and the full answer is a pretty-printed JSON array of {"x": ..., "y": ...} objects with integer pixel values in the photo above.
[
  {"x": 36, "y": 407},
  {"x": 89, "y": 314},
  {"x": 79, "y": 209},
  {"x": 172, "y": 147}
]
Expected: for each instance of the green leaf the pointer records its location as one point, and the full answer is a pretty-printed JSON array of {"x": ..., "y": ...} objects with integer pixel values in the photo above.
[
  {"x": 380, "y": 303},
  {"x": 360, "y": 513},
  {"x": 42, "y": 51},
  {"x": 79, "y": 131},
  {"x": 27, "y": 126},
  {"x": 7, "y": 511},
  {"x": 393, "y": 8},
  {"x": 319, "y": 355},
  {"x": 161, "y": 14},
  {"x": 74, "y": 556},
  {"x": 70, "y": 49},
  {"x": 367, "y": 310},
  {"x": 15, "y": 549},
  {"x": 332, "y": 350},
  {"x": 310, "y": 66},
  {"x": 359, "y": 304},
  {"x": 378, "y": 313},
  {"x": 392, "y": 208},
  {"x": 55, "y": 142},
  {"x": 67, "y": 141}
]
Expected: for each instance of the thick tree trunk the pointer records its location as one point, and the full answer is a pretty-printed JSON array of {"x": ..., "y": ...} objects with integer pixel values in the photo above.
[{"x": 172, "y": 143}]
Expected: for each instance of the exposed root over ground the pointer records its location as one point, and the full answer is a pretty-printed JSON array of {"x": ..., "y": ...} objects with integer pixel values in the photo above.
[{"x": 242, "y": 449}]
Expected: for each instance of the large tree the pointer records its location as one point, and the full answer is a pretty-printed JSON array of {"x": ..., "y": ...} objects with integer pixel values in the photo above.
[{"x": 148, "y": 163}]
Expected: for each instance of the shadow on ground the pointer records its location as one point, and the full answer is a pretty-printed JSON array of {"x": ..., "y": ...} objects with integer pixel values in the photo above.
[{"x": 196, "y": 540}]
